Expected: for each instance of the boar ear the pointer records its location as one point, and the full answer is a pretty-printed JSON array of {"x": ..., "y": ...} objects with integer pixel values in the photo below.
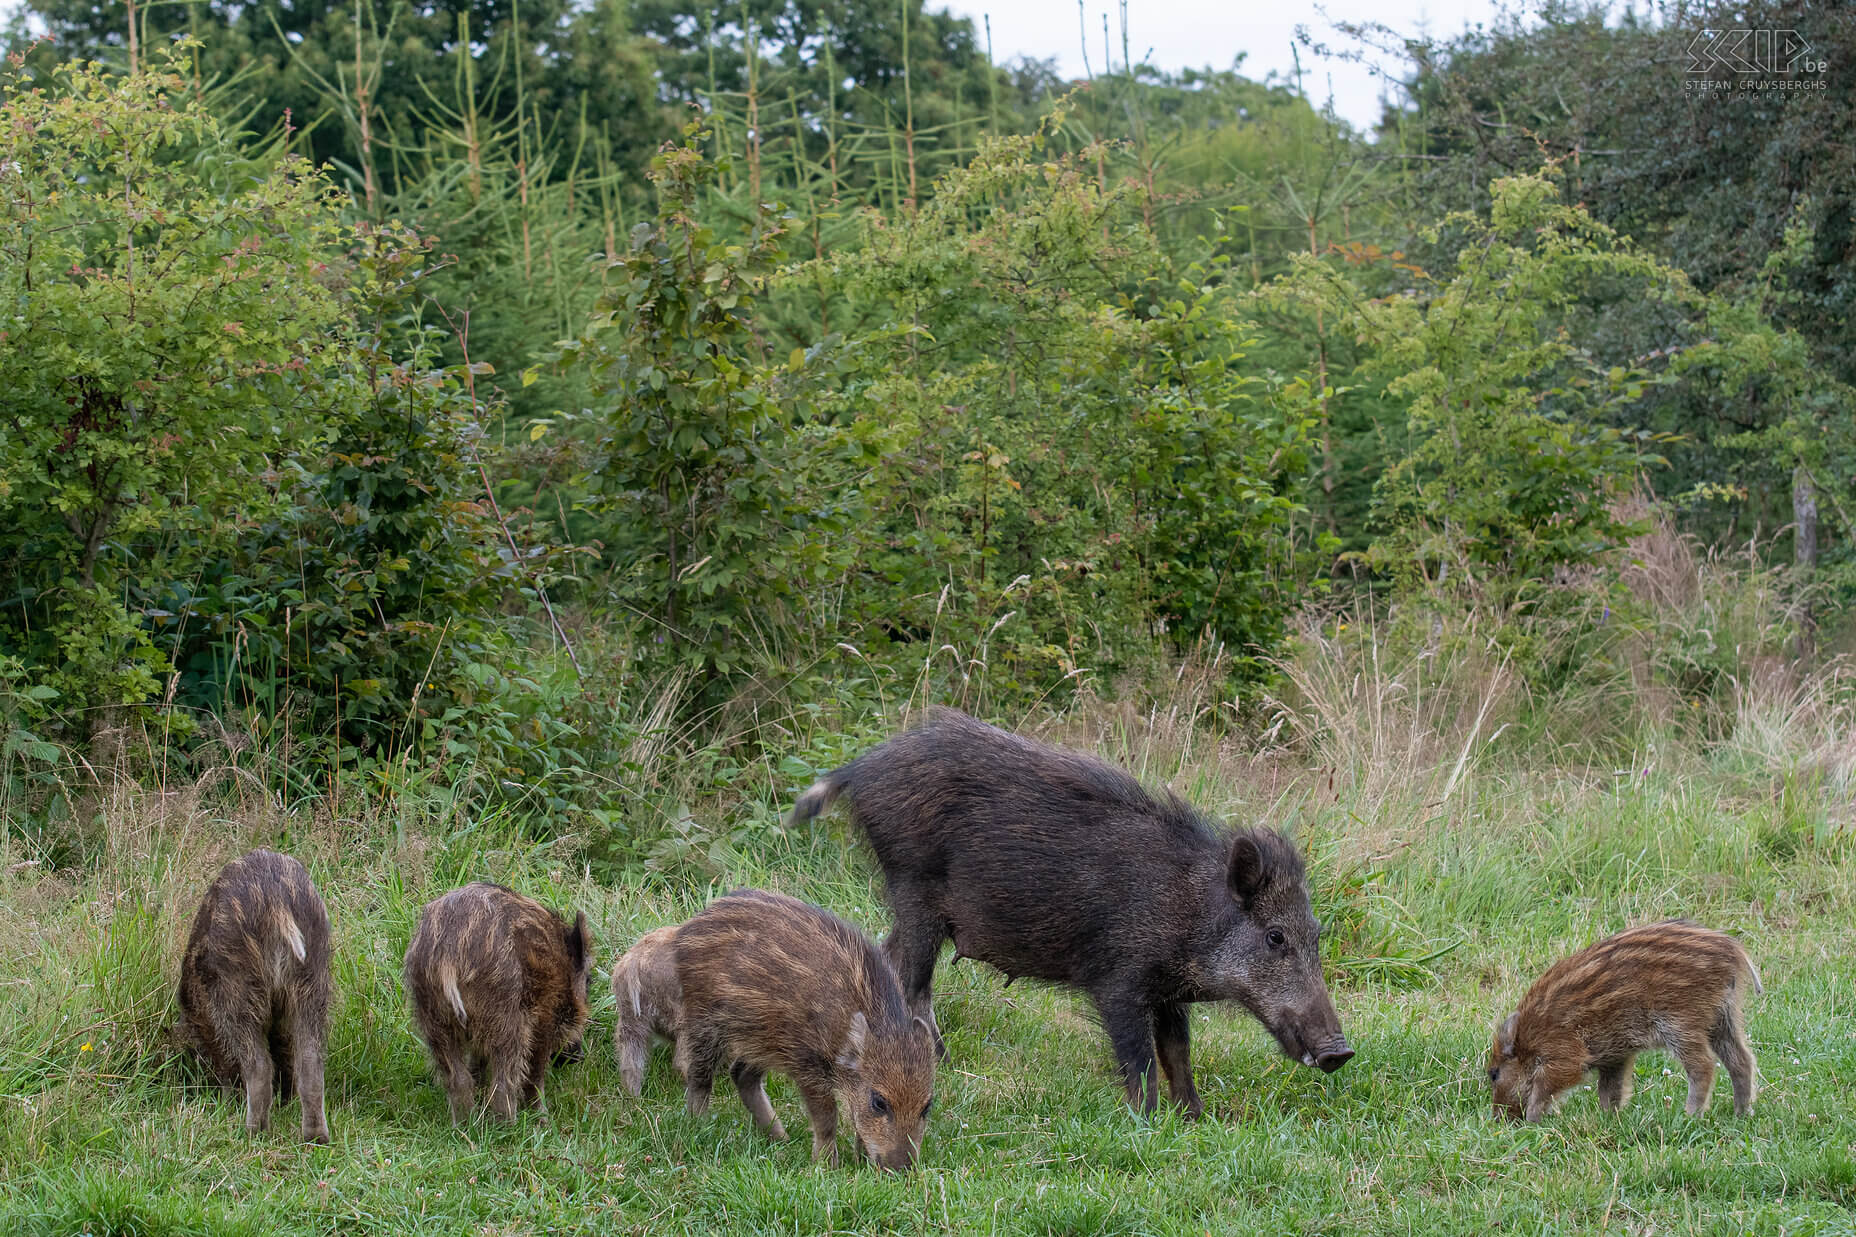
[
  {"x": 853, "y": 1051},
  {"x": 1249, "y": 868},
  {"x": 1506, "y": 1037},
  {"x": 579, "y": 941}
]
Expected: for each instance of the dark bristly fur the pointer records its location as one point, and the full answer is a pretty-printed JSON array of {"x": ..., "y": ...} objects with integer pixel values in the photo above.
[
  {"x": 771, "y": 983},
  {"x": 1673, "y": 984},
  {"x": 497, "y": 984},
  {"x": 1053, "y": 865},
  {"x": 648, "y": 1001},
  {"x": 254, "y": 986}
]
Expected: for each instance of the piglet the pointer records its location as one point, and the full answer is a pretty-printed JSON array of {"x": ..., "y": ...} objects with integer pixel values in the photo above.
[
  {"x": 649, "y": 1002},
  {"x": 497, "y": 984},
  {"x": 773, "y": 983},
  {"x": 1674, "y": 984},
  {"x": 254, "y": 986}
]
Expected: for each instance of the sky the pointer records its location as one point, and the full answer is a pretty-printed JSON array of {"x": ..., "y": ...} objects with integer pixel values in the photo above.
[{"x": 1178, "y": 34}]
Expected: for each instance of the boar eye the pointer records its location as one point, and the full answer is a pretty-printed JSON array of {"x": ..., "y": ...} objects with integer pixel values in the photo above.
[
  {"x": 1275, "y": 938},
  {"x": 1495, "y": 1075},
  {"x": 879, "y": 1105}
]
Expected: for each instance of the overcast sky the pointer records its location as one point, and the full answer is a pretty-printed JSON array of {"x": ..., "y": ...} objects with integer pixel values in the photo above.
[{"x": 1177, "y": 34}]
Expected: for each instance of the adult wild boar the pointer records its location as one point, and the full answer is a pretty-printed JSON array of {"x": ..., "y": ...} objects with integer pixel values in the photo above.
[{"x": 1053, "y": 865}]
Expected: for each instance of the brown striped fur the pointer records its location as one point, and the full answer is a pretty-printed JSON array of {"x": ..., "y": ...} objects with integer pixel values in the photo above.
[
  {"x": 649, "y": 1002},
  {"x": 773, "y": 983},
  {"x": 1673, "y": 984},
  {"x": 497, "y": 985},
  {"x": 254, "y": 987}
]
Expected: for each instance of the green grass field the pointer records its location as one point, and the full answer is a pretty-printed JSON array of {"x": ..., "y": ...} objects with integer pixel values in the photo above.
[{"x": 102, "y": 1131}]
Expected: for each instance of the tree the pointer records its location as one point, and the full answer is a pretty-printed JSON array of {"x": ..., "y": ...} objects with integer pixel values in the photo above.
[
  {"x": 706, "y": 459},
  {"x": 1085, "y": 445},
  {"x": 173, "y": 318},
  {"x": 1515, "y": 460},
  {"x": 1719, "y": 182}
]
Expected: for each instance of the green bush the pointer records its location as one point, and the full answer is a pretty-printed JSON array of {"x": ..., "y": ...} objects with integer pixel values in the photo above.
[
  {"x": 727, "y": 503},
  {"x": 1514, "y": 466},
  {"x": 1083, "y": 446},
  {"x": 361, "y": 600},
  {"x": 170, "y": 328},
  {"x": 233, "y": 470}
]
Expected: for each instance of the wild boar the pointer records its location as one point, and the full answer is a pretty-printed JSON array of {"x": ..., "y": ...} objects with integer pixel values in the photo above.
[
  {"x": 1673, "y": 984},
  {"x": 1053, "y": 865},
  {"x": 254, "y": 987},
  {"x": 497, "y": 984},
  {"x": 649, "y": 1002},
  {"x": 773, "y": 983}
]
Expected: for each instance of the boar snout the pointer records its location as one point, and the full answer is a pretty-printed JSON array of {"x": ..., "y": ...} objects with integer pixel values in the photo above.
[
  {"x": 1315, "y": 1039},
  {"x": 898, "y": 1160},
  {"x": 1333, "y": 1056}
]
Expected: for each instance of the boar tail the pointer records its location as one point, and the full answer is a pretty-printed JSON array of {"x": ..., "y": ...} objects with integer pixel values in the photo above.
[
  {"x": 448, "y": 984},
  {"x": 816, "y": 799},
  {"x": 293, "y": 935}
]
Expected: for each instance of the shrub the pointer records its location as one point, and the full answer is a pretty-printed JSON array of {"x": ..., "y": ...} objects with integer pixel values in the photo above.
[
  {"x": 711, "y": 473},
  {"x": 1083, "y": 444},
  {"x": 169, "y": 327}
]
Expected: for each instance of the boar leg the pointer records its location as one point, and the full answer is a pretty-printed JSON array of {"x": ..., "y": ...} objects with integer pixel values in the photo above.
[
  {"x": 822, "y": 1112},
  {"x": 1173, "y": 1040},
  {"x": 453, "y": 1063},
  {"x": 1698, "y": 1063},
  {"x": 751, "y": 1083},
  {"x": 1130, "y": 1027},
  {"x": 309, "y": 1064},
  {"x": 460, "y": 1089},
  {"x": 631, "y": 1044},
  {"x": 509, "y": 1066},
  {"x": 1728, "y": 1039},
  {"x": 913, "y": 946},
  {"x": 254, "y": 1066},
  {"x": 220, "y": 1064},
  {"x": 1614, "y": 1083},
  {"x": 698, "y": 1055},
  {"x": 540, "y": 1056},
  {"x": 305, "y": 1024},
  {"x": 1552, "y": 1079}
]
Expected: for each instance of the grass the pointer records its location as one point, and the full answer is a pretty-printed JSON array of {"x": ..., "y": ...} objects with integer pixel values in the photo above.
[{"x": 103, "y": 1130}]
